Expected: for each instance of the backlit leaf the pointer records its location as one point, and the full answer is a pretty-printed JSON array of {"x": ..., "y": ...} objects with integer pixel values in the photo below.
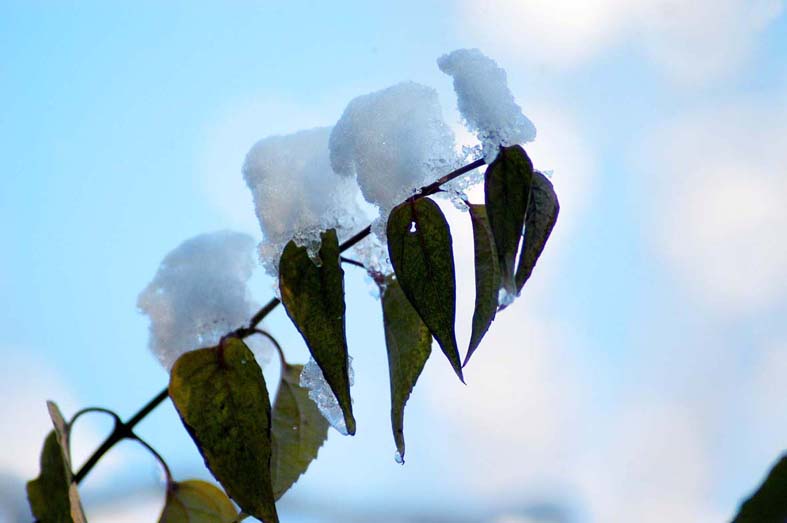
[
  {"x": 409, "y": 344},
  {"x": 420, "y": 248},
  {"x": 313, "y": 296},
  {"x": 541, "y": 217},
  {"x": 507, "y": 190},
  {"x": 223, "y": 402},
  {"x": 487, "y": 277},
  {"x": 299, "y": 430},
  {"x": 196, "y": 501},
  {"x": 53, "y": 494}
]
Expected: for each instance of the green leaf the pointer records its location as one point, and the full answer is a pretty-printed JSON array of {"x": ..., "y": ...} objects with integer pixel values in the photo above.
[
  {"x": 541, "y": 217},
  {"x": 222, "y": 400},
  {"x": 420, "y": 248},
  {"x": 409, "y": 344},
  {"x": 487, "y": 277},
  {"x": 196, "y": 501},
  {"x": 299, "y": 430},
  {"x": 53, "y": 495},
  {"x": 769, "y": 503},
  {"x": 507, "y": 190},
  {"x": 314, "y": 299}
]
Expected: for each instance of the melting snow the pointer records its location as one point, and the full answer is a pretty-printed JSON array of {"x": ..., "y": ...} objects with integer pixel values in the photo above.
[{"x": 320, "y": 393}]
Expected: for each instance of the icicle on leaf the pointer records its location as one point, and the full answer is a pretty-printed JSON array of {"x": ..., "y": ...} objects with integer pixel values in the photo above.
[
  {"x": 409, "y": 344},
  {"x": 314, "y": 299},
  {"x": 299, "y": 430},
  {"x": 507, "y": 190},
  {"x": 769, "y": 503},
  {"x": 196, "y": 501},
  {"x": 53, "y": 494},
  {"x": 540, "y": 220},
  {"x": 222, "y": 399},
  {"x": 487, "y": 277},
  {"x": 420, "y": 248}
]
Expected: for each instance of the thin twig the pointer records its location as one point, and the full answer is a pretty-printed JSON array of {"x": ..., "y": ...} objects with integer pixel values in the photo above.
[
  {"x": 121, "y": 432},
  {"x": 350, "y": 261},
  {"x": 160, "y": 459},
  {"x": 273, "y": 340},
  {"x": 88, "y": 410}
]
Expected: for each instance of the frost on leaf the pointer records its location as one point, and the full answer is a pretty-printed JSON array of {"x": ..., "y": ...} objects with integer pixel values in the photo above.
[
  {"x": 199, "y": 294},
  {"x": 321, "y": 394},
  {"x": 393, "y": 141},
  {"x": 485, "y": 101},
  {"x": 296, "y": 193}
]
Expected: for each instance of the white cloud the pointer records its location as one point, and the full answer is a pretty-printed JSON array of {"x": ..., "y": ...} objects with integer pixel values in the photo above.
[
  {"x": 717, "y": 194},
  {"x": 690, "y": 41},
  {"x": 703, "y": 39},
  {"x": 511, "y": 424},
  {"x": 654, "y": 467}
]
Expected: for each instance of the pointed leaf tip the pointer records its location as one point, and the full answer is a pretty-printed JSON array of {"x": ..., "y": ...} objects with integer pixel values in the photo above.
[
  {"x": 408, "y": 343},
  {"x": 223, "y": 403},
  {"x": 420, "y": 248},
  {"x": 314, "y": 300},
  {"x": 542, "y": 213},
  {"x": 487, "y": 278}
]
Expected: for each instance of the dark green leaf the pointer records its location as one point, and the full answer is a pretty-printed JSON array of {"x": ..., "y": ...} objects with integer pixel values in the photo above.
[
  {"x": 196, "y": 501},
  {"x": 299, "y": 430},
  {"x": 487, "y": 277},
  {"x": 541, "y": 217},
  {"x": 409, "y": 344},
  {"x": 420, "y": 248},
  {"x": 314, "y": 299},
  {"x": 223, "y": 402},
  {"x": 507, "y": 190},
  {"x": 769, "y": 503},
  {"x": 53, "y": 496}
]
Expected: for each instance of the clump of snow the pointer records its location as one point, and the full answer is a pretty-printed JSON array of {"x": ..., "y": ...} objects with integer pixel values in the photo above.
[
  {"x": 393, "y": 141},
  {"x": 199, "y": 294},
  {"x": 320, "y": 393},
  {"x": 485, "y": 101},
  {"x": 296, "y": 193}
]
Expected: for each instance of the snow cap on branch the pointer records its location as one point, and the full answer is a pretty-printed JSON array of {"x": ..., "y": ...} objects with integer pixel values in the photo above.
[
  {"x": 485, "y": 101},
  {"x": 296, "y": 194},
  {"x": 393, "y": 141},
  {"x": 199, "y": 294}
]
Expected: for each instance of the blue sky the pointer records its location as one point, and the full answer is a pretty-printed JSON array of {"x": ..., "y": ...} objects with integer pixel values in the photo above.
[{"x": 639, "y": 374}]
